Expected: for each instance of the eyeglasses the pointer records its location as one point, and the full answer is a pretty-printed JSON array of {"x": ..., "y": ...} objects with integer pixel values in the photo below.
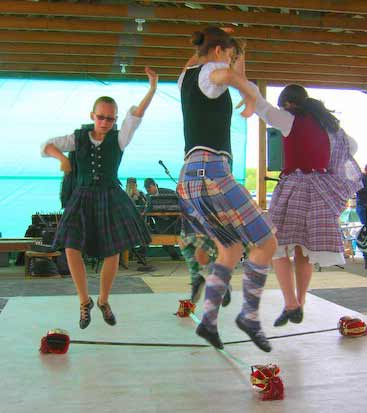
[{"x": 107, "y": 118}]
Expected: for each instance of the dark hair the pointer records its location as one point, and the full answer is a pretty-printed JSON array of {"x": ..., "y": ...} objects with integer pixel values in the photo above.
[
  {"x": 210, "y": 38},
  {"x": 104, "y": 99},
  {"x": 297, "y": 95},
  {"x": 149, "y": 182}
]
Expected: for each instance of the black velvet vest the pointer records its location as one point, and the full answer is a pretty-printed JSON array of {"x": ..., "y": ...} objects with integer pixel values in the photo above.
[{"x": 207, "y": 121}]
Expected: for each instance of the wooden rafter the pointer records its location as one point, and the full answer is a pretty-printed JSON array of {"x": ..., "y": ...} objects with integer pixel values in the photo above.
[
  {"x": 335, "y": 6},
  {"x": 321, "y": 42},
  {"x": 182, "y": 15}
]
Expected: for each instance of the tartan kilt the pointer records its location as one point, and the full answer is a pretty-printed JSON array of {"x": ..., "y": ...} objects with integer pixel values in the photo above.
[
  {"x": 218, "y": 206},
  {"x": 305, "y": 209},
  {"x": 101, "y": 222}
]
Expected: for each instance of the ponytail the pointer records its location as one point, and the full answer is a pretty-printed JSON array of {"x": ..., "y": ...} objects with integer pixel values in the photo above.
[
  {"x": 210, "y": 38},
  {"x": 303, "y": 105}
]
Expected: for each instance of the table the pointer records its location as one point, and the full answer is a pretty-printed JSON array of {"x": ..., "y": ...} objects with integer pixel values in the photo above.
[{"x": 18, "y": 244}]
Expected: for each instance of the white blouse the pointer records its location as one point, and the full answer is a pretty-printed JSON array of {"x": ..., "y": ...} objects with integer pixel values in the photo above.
[
  {"x": 283, "y": 120},
  {"x": 210, "y": 89},
  {"x": 66, "y": 143}
]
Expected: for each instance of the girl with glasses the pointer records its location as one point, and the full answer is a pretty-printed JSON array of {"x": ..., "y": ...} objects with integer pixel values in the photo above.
[{"x": 99, "y": 220}]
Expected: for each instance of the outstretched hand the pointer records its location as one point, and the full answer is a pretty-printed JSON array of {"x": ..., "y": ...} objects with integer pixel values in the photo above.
[
  {"x": 250, "y": 103},
  {"x": 228, "y": 30},
  {"x": 250, "y": 106},
  {"x": 152, "y": 76}
]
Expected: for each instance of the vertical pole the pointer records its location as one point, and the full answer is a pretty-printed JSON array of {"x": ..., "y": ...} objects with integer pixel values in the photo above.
[
  {"x": 245, "y": 153},
  {"x": 261, "y": 169}
]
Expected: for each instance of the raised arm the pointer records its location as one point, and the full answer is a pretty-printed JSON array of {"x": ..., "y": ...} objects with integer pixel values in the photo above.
[
  {"x": 153, "y": 80},
  {"x": 230, "y": 77}
]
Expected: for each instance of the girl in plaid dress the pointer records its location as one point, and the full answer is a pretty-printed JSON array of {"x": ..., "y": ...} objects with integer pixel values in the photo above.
[
  {"x": 210, "y": 198},
  {"x": 100, "y": 219},
  {"x": 318, "y": 177}
]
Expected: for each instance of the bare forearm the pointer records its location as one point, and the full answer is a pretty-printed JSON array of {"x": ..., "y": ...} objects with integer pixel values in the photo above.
[
  {"x": 52, "y": 150},
  {"x": 140, "y": 110},
  {"x": 231, "y": 78}
]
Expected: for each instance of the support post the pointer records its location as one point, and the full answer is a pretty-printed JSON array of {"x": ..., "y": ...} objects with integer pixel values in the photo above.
[{"x": 261, "y": 168}]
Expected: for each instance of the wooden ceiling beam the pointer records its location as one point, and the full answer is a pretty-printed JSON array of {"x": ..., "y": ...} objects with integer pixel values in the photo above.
[
  {"x": 88, "y": 50},
  {"x": 272, "y": 35},
  {"x": 174, "y": 73},
  {"x": 167, "y": 79},
  {"x": 120, "y": 11},
  {"x": 306, "y": 48},
  {"x": 305, "y": 69},
  {"x": 334, "y": 6},
  {"x": 151, "y": 46},
  {"x": 300, "y": 59},
  {"x": 254, "y": 61},
  {"x": 208, "y": 16}
]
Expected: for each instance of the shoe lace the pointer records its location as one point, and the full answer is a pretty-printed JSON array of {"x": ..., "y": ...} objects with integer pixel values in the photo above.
[
  {"x": 84, "y": 310},
  {"x": 106, "y": 310}
]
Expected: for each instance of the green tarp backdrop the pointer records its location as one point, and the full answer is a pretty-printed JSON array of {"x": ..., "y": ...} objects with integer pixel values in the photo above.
[{"x": 31, "y": 111}]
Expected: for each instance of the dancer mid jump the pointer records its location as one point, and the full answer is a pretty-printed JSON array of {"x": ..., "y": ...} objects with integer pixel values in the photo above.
[
  {"x": 100, "y": 219},
  {"x": 210, "y": 198}
]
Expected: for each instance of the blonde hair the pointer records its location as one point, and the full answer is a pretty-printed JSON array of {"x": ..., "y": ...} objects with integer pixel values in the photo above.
[
  {"x": 129, "y": 187},
  {"x": 105, "y": 99}
]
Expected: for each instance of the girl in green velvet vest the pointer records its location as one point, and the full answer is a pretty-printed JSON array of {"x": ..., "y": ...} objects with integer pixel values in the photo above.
[{"x": 100, "y": 220}]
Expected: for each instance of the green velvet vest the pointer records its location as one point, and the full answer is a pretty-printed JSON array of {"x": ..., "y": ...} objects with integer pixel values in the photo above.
[{"x": 97, "y": 165}]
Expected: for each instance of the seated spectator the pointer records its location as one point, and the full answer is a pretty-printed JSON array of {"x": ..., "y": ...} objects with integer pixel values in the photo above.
[
  {"x": 162, "y": 225},
  {"x": 132, "y": 190},
  {"x": 152, "y": 188}
]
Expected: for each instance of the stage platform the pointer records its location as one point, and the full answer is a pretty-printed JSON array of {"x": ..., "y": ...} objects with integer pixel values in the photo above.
[{"x": 321, "y": 371}]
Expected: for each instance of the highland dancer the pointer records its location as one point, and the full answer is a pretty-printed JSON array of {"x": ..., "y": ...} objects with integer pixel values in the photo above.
[{"x": 210, "y": 198}]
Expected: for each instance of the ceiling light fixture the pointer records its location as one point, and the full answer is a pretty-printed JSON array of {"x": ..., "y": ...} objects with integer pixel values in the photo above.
[{"x": 139, "y": 22}]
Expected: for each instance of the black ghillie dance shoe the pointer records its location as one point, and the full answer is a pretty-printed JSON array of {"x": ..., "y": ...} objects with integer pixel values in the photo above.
[
  {"x": 85, "y": 317},
  {"x": 107, "y": 313}
]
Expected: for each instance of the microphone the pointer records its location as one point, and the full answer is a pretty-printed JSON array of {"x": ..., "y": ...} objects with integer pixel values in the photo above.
[
  {"x": 164, "y": 166},
  {"x": 167, "y": 171}
]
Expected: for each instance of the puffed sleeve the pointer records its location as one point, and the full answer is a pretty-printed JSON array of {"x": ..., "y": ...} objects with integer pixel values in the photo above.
[
  {"x": 128, "y": 128},
  {"x": 210, "y": 89},
  {"x": 278, "y": 118},
  {"x": 64, "y": 143}
]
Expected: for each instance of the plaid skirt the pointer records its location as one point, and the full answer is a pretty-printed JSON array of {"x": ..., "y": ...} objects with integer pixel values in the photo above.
[
  {"x": 305, "y": 209},
  {"x": 218, "y": 206},
  {"x": 101, "y": 222}
]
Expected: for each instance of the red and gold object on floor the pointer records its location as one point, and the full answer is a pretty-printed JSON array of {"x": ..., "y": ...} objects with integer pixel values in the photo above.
[
  {"x": 56, "y": 341},
  {"x": 186, "y": 307},
  {"x": 265, "y": 378},
  {"x": 352, "y": 327}
]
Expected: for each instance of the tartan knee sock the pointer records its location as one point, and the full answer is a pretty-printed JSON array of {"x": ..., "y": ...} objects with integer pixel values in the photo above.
[
  {"x": 193, "y": 266},
  {"x": 253, "y": 282},
  {"x": 216, "y": 285}
]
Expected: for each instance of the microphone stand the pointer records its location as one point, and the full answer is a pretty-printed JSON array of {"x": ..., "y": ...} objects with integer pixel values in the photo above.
[{"x": 170, "y": 176}]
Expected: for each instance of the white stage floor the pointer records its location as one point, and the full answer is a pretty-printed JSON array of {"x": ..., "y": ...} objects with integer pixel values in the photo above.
[{"x": 321, "y": 372}]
